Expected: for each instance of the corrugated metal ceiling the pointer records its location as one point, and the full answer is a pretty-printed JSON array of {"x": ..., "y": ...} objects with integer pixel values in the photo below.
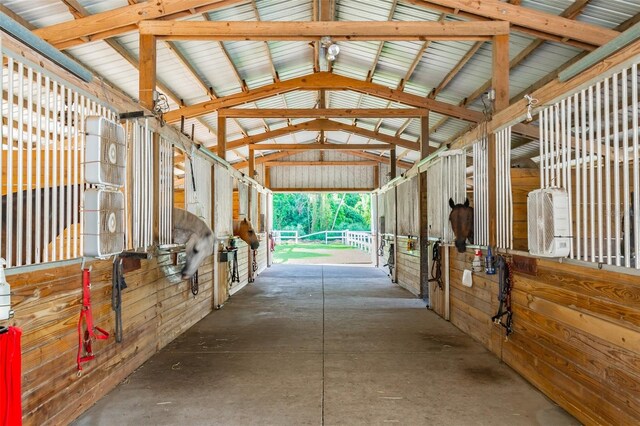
[{"x": 251, "y": 63}]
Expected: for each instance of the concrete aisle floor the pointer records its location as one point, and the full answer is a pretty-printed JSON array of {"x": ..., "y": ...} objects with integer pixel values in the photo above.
[{"x": 324, "y": 345}]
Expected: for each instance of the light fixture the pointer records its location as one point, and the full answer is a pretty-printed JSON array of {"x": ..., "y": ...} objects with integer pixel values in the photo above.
[{"x": 332, "y": 50}]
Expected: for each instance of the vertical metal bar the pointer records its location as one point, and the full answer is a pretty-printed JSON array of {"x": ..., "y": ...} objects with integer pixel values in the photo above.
[
  {"x": 600, "y": 232},
  {"x": 563, "y": 142},
  {"x": 558, "y": 148},
  {"x": 541, "y": 137},
  {"x": 625, "y": 169},
  {"x": 69, "y": 166},
  {"x": 38, "y": 215},
  {"x": 10, "y": 137},
  {"x": 636, "y": 165},
  {"x": 55, "y": 171},
  {"x": 616, "y": 167},
  {"x": 592, "y": 181},
  {"x": 585, "y": 159},
  {"x": 607, "y": 169},
  {"x": 28, "y": 225},
  {"x": 569, "y": 176},
  {"x": 62, "y": 172},
  {"x": 76, "y": 182},
  {"x": 20, "y": 152},
  {"x": 577, "y": 126},
  {"x": 47, "y": 167},
  {"x": 551, "y": 141}
]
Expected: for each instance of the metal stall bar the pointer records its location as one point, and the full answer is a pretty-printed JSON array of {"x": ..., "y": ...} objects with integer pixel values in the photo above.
[
  {"x": 616, "y": 168},
  {"x": 607, "y": 169},
  {"x": 636, "y": 165},
  {"x": 9, "y": 204},
  {"x": 598, "y": 137},
  {"x": 626, "y": 187},
  {"x": 20, "y": 158},
  {"x": 28, "y": 226}
]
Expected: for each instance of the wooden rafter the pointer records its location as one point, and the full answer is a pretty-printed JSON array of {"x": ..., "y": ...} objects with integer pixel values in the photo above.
[
  {"x": 321, "y": 146},
  {"x": 311, "y": 31},
  {"x": 124, "y": 19},
  {"x": 320, "y": 112},
  {"x": 570, "y": 13},
  {"x": 380, "y": 158},
  {"x": 533, "y": 22},
  {"x": 323, "y": 80},
  {"x": 376, "y": 59},
  {"x": 322, "y": 125},
  {"x": 551, "y": 92},
  {"x": 319, "y": 163},
  {"x": 264, "y": 159}
]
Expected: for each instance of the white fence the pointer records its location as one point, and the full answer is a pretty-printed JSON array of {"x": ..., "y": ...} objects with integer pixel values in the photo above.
[
  {"x": 589, "y": 146},
  {"x": 359, "y": 239}
]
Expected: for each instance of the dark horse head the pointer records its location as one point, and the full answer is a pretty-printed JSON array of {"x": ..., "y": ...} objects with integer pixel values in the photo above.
[{"x": 461, "y": 218}]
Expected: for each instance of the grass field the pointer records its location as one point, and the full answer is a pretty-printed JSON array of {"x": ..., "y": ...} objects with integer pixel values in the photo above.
[{"x": 318, "y": 253}]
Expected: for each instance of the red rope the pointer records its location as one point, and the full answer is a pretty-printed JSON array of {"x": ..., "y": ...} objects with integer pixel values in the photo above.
[{"x": 10, "y": 374}]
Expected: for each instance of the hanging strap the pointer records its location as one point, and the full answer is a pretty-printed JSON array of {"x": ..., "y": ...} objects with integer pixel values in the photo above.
[
  {"x": 118, "y": 284},
  {"x": 85, "y": 353},
  {"x": 504, "y": 317},
  {"x": 436, "y": 265}
]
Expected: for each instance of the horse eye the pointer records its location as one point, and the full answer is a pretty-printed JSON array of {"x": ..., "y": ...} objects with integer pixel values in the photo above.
[{"x": 195, "y": 250}]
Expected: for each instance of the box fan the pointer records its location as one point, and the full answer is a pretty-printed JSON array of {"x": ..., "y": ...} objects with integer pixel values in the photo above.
[
  {"x": 549, "y": 227},
  {"x": 105, "y": 162}
]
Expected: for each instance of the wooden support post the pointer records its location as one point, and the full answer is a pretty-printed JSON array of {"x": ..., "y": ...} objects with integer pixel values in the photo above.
[
  {"x": 267, "y": 177},
  {"x": 500, "y": 75},
  {"x": 424, "y": 136},
  {"x": 222, "y": 137},
  {"x": 376, "y": 176},
  {"x": 147, "y": 67},
  {"x": 500, "y": 83},
  {"x": 392, "y": 164},
  {"x": 424, "y": 238},
  {"x": 216, "y": 265},
  {"x": 252, "y": 163}
]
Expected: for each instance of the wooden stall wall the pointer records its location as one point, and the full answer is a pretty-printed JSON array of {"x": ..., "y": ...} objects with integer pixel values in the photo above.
[
  {"x": 408, "y": 265},
  {"x": 523, "y": 181},
  {"x": 157, "y": 306},
  {"x": 262, "y": 252},
  {"x": 243, "y": 267},
  {"x": 576, "y": 333}
]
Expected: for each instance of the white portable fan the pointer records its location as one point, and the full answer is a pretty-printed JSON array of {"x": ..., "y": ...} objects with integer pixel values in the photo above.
[
  {"x": 105, "y": 152},
  {"x": 103, "y": 222},
  {"x": 549, "y": 227}
]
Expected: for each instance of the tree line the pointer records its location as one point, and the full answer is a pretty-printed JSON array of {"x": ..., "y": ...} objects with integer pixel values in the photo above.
[{"x": 308, "y": 213}]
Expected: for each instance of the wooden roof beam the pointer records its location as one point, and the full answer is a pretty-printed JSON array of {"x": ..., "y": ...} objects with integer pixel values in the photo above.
[
  {"x": 323, "y": 125},
  {"x": 321, "y": 112},
  {"x": 323, "y": 80},
  {"x": 321, "y": 147},
  {"x": 530, "y": 21},
  {"x": 311, "y": 31},
  {"x": 380, "y": 159},
  {"x": 124, "y": 19},
  {"x": 319, "y": 163}
]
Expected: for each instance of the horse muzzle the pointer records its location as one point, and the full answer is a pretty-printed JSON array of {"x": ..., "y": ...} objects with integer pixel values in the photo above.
[{"x": 255, "y": 245}]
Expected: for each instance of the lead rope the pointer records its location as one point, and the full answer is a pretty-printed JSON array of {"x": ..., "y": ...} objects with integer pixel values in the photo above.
[
  {"x": 117, "y": 285},
  {"x": 391, "y": 260},
  {"x": 437, "y": 265},
  {"x": 505, "y": 282},
  {"x": 235, "y": 276},
  {"x": 381, "y": 248},
  {"x": 194, "y": 284}
]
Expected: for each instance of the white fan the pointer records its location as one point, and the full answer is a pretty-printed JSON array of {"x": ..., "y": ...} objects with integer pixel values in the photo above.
[
  {"x": 103, "y": 222},
  {"x": 549, "y": 227},
  {"x": 105, "y": 152}
]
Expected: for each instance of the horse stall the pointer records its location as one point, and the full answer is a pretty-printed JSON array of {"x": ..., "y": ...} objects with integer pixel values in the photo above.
[
  {"x": 138, "y": 298},
  {"x": 558, "y": 307}
]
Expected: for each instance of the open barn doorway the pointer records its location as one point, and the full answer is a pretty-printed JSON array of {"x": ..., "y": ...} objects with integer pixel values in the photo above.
[{"x": 325, "y": 228}]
